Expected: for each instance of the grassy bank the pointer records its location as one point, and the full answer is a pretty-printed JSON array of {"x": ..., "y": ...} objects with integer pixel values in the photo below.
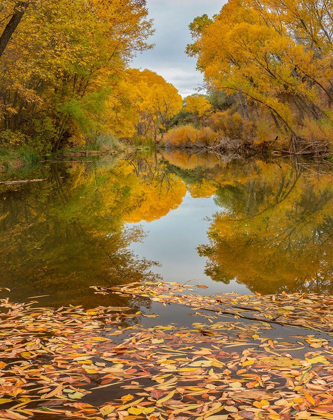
[{"x": 16, "y": 158}]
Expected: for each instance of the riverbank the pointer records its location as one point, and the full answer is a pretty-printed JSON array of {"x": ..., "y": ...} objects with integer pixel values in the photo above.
[
  {"x": 11, "y": 160},
  {"x": 292, "y": 147}
]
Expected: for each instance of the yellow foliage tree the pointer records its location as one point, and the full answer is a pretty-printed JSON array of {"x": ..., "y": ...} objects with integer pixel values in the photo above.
[
  {"x": 274, "y": 54},
  {"x": 188, "y": 136},
  {"x": 63, "y": 62},
  {"x": 155, "y": 100},
  {"x": 197, "y": 105}
]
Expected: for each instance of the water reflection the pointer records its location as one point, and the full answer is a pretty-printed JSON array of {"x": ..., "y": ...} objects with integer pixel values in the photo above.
[
  {"x": 275, "y": 232},
  {"x": 272, "y": 228},
  {"x": 154, "y": 190},
  {"x": 61, "y": 236}
]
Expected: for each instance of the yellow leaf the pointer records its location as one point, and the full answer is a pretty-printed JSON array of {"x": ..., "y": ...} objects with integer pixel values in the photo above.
[
  {"x": 56, "y": 391},
  {"x": 26, "y": 355},
  {"x": 318, "y": 359},
  {"x": 106, "y": 410},
  {"x": 235, "y": 385},
  {"x": 260, "y": 404},
  {"x": 248, "y": 363},
  {"x": 5, "y": 400},
  {"x": 126, "y": 406},
  {"x": 166, "y": 398},
  {"x": 309, "y": 398},
  {"x": 100, "y": 339},
  {"x": 127, "y": 398}
]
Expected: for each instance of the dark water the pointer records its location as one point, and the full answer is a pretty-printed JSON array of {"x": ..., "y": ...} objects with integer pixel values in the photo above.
[{"x": 244, "y": 226}]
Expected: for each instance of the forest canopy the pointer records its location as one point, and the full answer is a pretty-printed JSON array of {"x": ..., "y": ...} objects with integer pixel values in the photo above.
[
  {"x": 274, "y": 58},
  {"x": 65, "y": 73},
  {"x": 66, "y": 77}
]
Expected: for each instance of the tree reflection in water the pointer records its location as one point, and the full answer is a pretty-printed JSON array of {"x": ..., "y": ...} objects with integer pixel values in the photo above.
[
  {"x": 275, "y": 232},
  {"x": 59, "y": 237}
]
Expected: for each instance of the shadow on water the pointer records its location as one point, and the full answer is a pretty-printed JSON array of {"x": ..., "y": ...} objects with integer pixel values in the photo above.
[{"x": 270, "y": 230}]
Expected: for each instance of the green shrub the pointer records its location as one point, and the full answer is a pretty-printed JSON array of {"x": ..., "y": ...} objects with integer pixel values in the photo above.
[{"x": 28, "y": 155}]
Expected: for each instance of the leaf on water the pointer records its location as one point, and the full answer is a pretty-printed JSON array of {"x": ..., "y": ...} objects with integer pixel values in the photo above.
[
  {"x": 132, "y": 404},
  {"x": 309, "y": 398},
  {"x": 26, "y": 355},
  {"x": 107, "y": 409},
  {"x": 141, "y": 410},
  {"x": 56, "y": 391},
  {"x": 231, "y": 409},
  {"x": 166, "y": 398},
  {"x": 127, "y": 398},
  {"x": 261, "y": 404},
  {"x": 5, "y": 401},
  {"x": 278, "y": 361},
  {"x": 235, "y": 385},
  {"x": 318, "y": 359},
  {"x": 99, "y": 339},
  {"x": 201, "y": 363},
  {"x": 76, "y": 395},
  {"x": 170, "y": 371},
  {"x": 219, "y": 417},
  {"x": 253, "y": 395},
  {"x": 249, "y": 415}
]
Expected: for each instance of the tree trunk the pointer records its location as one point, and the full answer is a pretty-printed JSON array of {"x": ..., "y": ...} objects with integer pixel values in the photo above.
[{"x": 7, "y": 34}]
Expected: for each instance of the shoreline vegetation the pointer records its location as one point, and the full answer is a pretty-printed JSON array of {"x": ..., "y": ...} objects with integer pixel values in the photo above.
[
  {"x": 223, "y": 148},
  {"x": 223, "y": 151},
  {"x": 268, "y": 83}
]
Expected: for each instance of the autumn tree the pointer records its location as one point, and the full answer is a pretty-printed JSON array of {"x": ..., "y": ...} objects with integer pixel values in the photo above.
[
  {"x": 14, "y": 20},
  {"x": 197, "y": 105},
  {"x": 63, "y": 63},
  {"x": 153, "y": 101},
  {"x": 272, "y": 55}
]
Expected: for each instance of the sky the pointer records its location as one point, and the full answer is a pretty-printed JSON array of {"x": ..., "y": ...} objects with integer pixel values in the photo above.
[
  {"x": 168, "y": 58},
  {"x": 179, "y": 259}
]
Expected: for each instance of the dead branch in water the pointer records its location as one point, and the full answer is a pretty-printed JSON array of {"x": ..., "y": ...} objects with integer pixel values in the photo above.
[{"x": 26, "y": 181}]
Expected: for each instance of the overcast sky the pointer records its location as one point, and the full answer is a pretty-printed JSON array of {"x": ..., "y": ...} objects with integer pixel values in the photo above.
[{"x": 168, "y": 58}]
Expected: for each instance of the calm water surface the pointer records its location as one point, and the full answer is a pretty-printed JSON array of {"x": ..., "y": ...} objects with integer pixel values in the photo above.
[{"x": 243, "y": 226}]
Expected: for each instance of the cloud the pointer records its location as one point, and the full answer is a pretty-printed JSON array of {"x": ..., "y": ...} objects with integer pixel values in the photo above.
[{"x": 171, "y": 20}]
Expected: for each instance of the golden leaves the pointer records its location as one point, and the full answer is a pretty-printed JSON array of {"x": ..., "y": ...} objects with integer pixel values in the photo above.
[
  {"x": 64, "y": 62},
  {"x": 197, "y": 105},
  {"x": 154, "y": 101},
  {"x": 268, "y": 54}
]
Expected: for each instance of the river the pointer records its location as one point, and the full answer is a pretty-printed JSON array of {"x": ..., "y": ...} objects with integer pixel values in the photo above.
[{"x": 229, "y": 225}]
